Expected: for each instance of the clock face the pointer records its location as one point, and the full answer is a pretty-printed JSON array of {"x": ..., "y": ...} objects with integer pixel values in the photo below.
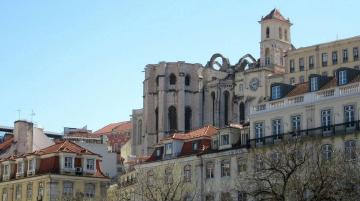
[{"x": 254, "y": 84}]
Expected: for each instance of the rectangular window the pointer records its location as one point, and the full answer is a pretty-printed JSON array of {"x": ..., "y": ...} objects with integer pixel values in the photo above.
[
  {"x": 68, "y": 188},
  {"x": 334, "y": 57},
  {"x": 314, "y": 85},
  {"x": 195, "y": 146},
  {"x": 259, "y": 130},
  {"x": 18, "y": 192},
  {"x": 343, "y": 77},
  {"x": 20, "y": 167},
  {"x": 356, "y": 53},
  {"x": 276, "y": 127},
  {"x": 32, "y": 165},
  {"x": 90, "y": 164},
  {"x": 301, "y": 64},
  {"x": 292, "y": 66},
  {"x": 68, "y": 162},
  {"x": 324, "y": 59},
  {"x": 41, "y": 189},
  {"x": 350, "y": 150},
  {"x": 225, "y": 139},
  {"x": 89, "y": 190},
  {"x": 259, "y": 163},
  {"x": 168, "y": 149},
  {"x": 296, "y": 123},
  {"x": 301, "y": 79},
  {"x": 210, "y": 170},
  {"x": 275, "y": 92},
  {"x": 311, "y": 62},
  {"x": 345, "y": 55},
  {"x": 29, "y": 191},
  {"x": 6, "y": 170},
  {"x": 326, "y": 151},
  {"x": 349, "y": 115},
  {"x": 242, "y": 164},
  {"x": 225, "y": 168},
  {"x": 326, "y": 120}
]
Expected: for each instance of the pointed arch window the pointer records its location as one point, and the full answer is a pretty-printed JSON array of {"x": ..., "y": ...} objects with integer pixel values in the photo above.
[
  {"x": 188, "y": 113},
  {"x": 172, "y": 79},
  {"x": 267, "y": 32},
  {"x": 213, "y": 107},
  {"x": 187, "y": 80},
  {"x": 172, "y": 116},
  {"x": 226, "y": 107},
  {"x": 242, "y": 112}
]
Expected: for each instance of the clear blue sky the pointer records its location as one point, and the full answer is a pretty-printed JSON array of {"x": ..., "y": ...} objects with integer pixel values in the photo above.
[{"x": 80, "y": 62}]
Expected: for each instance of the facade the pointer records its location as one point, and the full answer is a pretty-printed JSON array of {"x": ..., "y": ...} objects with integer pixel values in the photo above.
[{"x": 61, "y": 171}]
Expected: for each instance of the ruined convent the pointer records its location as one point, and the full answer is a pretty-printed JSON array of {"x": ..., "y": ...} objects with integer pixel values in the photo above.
[{"x": 179, "y": 97}]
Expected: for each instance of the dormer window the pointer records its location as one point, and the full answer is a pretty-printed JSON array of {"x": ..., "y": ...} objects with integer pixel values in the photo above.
[
  {"x": 343, "y": 77},
  {"x": 195, "y": 146},
  {"x": 68, "y": 163},
  {"x": 158, "y": 152},
  {"x": 275, "y": 92},
  {"x": 314, "y": 84},
  {"x": 20, "y": 167},
  {"x": 168, "y": 149},
  {"x": 225, "y": 140},
  {"x": 90, "y": 164},
  {"x": 6, "y": 170},
  {"x": 32, "y": 165}
]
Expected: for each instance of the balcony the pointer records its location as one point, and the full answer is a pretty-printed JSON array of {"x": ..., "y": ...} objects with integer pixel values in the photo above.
[
  {"x": 324, "y": 131},
  {"x": 308, "y": 98}
]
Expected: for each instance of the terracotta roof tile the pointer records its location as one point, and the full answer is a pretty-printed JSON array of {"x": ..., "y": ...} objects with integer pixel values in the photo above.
[
  {"x": 299, "y": 89},
  {"x": 81, "y": 134},
  {"x": 275, "y": 14},
  {"x": 64, "y": 146},
  {"x": 6, "y": 144},
  {"x": 117, "y": 127},
  {"x": 206, "y": 131}
]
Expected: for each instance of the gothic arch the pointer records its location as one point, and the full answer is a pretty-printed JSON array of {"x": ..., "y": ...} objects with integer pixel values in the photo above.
[
  {"x": 172, "y": 119},
  {"x": 213, "y": 108},
  {"x": 242, "y": 112},
  {"x": 188, "y": 118},
  {"x": 225, "y": 62},
  {"x": 172, "y": 79},
  {"x": 243, "y": 62},
  {"x": 226, "y": 107}
]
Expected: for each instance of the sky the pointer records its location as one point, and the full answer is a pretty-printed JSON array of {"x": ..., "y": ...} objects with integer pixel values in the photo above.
[{"x": 77, "y": 63}]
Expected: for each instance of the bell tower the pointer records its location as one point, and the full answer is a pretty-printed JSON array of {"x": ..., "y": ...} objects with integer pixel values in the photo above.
[{"x": 275, "y": 39}]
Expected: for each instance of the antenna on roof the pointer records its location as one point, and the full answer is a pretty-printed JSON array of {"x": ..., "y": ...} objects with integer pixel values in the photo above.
[
  {"x": 337, "y": 36},
  {"x": 32, "y": 114},
  {"x": 19, "y": 112}
]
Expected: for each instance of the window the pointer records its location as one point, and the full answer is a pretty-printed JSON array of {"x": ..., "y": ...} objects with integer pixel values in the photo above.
[
  {"x": 350, "y": 150},
  {"x": 225, "y": 196},
  {"x": 187, "y": 173},
  {"x": 195, "y": 146},
  {"x": 349, "y": 115},
  {"x": 20, "y": 167},
  {"x": 172, "y": 115},
  {"x": 168, "y": 148},
  {"x": 158, "y": 152},
  {"x": 326, "y": 119},
  {"x": 242, "y": 164},
  {"x": 276, "y": 128},
  {"x": 18, "y": 192},
  {"x": 301, "y": 79},
  {"x": 311, "y": 62},
  {"x": 5, "y": 194},
  {"x": 267, "y": 56},
  {"x": 345, "y": 55},
  {"x": 292, "y": 66},
  {"x": 68, "y": 188},
  {"x": 29, "y": 191},
  {"x": 242, "y": 196},
  {"x": 41, "y": 189},
  {"x": 275, "y": 92},
  {"x": 259, "y": 163},
  {"x": 225, "y": 139},
  {"x": 157, "y": 81},
  {"x": 280, "y": 33},
  {"x": 168, "y": 176},
  {"x": 213, "y": 107},
  {"x": 225, "y": 168},
  {"x": 301, "y": 64},
  {"x": 356, "y": 53},
  {"x": 324, "y": 59},
  {"x": 32, "y": 165},
  {"x": 209, "y": 170},
  {"x": 292, "y": 80},
  {"x": 6, "y": 169},
  {"x": 242, "y": 112},
  {"x": 90, "y": 164},
  {"x": 187, "y": 80},
  {"x": 295, "y": 123},
  {"x": 342, "y": 77},
  {"x": 314, "y": 85},
  {"x": 326, "y": 151},
  {"x": 286, "y": 35},
  {"x": 334, "y": 57},
  {"x": 172, "y": 79},
  {"x": 89, "y": 190},
  {"x": 188, "y": 114},
  {"x": 68, "y": 162},
  {"x": 267, "y": 32},
  {"x": 259, "y": 130}
]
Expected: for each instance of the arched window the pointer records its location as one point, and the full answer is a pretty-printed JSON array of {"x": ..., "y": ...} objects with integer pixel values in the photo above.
[
  {"x": 267, "y": 32},
  {"x": 188, "y": 118},
  {"x": 139, "y": 130},
  {"x": 285, "y": 34},
  {"x": 267, "y": 56},
  {"x": 242, "y": 112},
  {"x": 226, "y": 107},
  {"x": 187, "y": 173},
  {"x": 157, "y": 81},
  {"x": 280, "y": 33},
  {"x": 187, "y": 80},
  {"x": 172, "y": 79},
  {"x": 172, "y": 119},
  {"x": 213, "y": 107}
]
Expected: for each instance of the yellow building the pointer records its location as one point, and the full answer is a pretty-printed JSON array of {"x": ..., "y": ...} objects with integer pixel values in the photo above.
[{"x": 62, "y": 171}]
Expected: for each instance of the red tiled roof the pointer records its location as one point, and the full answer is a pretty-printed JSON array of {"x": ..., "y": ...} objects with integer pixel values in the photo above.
[
  {"x": 206, "y": 131},
  {"x": 274, "y": 14},
  {"x": 64, "y": 146},
  {"x": 82, "y": 135},
  {"x": 117, "y": 127},
  {"x": 7, "y": 143},
  {"x": 299, "y": 89}
]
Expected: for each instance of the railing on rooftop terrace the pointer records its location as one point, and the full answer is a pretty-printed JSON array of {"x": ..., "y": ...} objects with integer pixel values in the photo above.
[
  {"x": 350, "y": 89},
  {"x": 324, "y": 131}
]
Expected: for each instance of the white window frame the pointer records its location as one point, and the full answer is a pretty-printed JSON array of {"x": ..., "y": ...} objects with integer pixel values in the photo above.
[
  {"x": 277, "y": 127},
  {"x": 90, "y": 167},
  {"x": 20, "y": 167},
  {"x": 314, "y": 83},
  {"x": 295, "y": 123},
  {"x": 343, "y": 77},
  {"x": 67, "y": 164},
  {"x": 327, "y": 151},
  {"x": 225, "y": 140},
  {"x": 210, "y": 167},
  {"x": 326, "y": 116},
  {"x": 225, "y": 168},
  {"x": 275, "y": 92},
  {"x": 168, "y": 149},
  {"x": 259, "y": 130}
]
